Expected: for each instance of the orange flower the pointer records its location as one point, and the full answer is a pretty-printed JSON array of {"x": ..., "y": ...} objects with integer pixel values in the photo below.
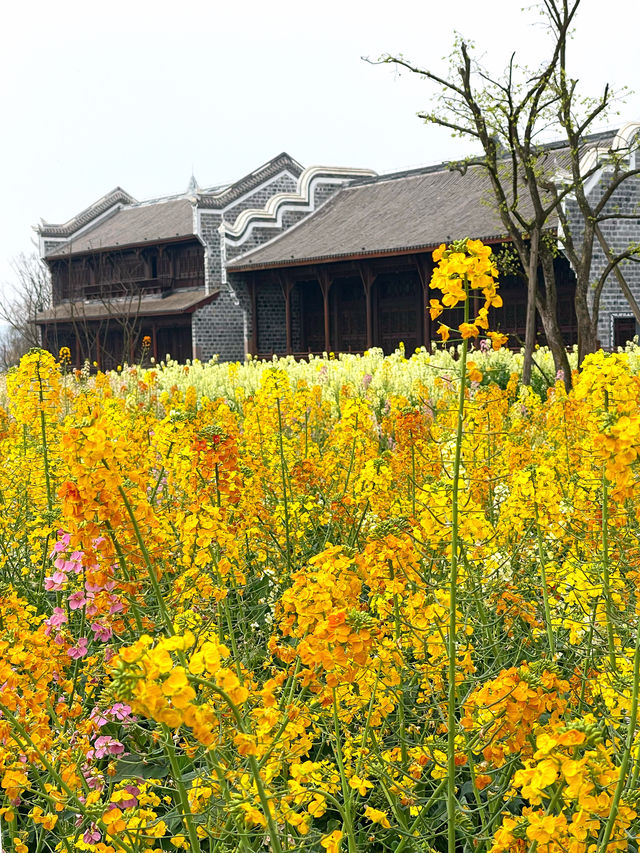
[{"x": 468, "y": 330}]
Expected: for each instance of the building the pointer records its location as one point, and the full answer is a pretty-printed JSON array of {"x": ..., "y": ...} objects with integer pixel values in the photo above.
[
  {"x": 296, "y": 260},
  {"x": 123, "y": 269}
]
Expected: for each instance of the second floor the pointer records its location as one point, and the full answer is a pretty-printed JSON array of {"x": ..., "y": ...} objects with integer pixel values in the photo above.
[{"x": 153, "y": 270}]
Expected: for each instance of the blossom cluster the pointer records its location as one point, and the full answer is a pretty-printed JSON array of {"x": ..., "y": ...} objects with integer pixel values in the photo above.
[{"x": 227, "y": 623}]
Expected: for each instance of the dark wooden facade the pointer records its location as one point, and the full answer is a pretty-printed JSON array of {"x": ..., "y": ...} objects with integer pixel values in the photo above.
[
  {"x": 351, "y": 306},
  {"x": 102, "y": 301},
  {"x": 112, "y": 274},
  {"x": 111, "y": 341}
]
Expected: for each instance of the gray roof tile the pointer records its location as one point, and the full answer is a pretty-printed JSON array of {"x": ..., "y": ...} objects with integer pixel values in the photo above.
[
  {"x": 406, "y": 211},
  {"x": 134, "y": 226},
  {"x": 150, "y": 306}
]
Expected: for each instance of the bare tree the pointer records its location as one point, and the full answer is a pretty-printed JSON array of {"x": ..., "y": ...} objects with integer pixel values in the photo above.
[
  {"x": 509, "y": 117},
  {"x": 27, "y": 295},
  {"x": 99, "y": 306}
]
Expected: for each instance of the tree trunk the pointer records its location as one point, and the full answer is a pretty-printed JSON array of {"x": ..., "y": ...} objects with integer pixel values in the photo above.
[
  {"x": 556, "y": 345},
  {"x": 532, "y": 286},
  {"x": 548, "y": 308},
  {"x": 587, "y": 325}
]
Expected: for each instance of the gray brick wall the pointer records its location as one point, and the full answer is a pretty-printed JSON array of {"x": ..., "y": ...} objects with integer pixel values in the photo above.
[
  {"x": 619, "y": 233},
  {"x": 209, "y": 224},
  {"x": 220, "y": 327},
  {"x": 224, "y": 327},
  {"x": 282, "y": 184}
]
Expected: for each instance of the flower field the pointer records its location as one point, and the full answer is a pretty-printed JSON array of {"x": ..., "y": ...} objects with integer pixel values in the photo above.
[{"x": 357, "y": 604}]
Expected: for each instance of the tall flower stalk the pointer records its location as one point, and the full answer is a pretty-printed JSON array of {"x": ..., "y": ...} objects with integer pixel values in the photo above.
[{"x": 463, "y": 267}]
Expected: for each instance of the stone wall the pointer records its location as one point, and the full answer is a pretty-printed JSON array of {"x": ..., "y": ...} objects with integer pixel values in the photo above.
[
  {"x": 619, "y": 233},
  {"x": 224, "y": 328}
]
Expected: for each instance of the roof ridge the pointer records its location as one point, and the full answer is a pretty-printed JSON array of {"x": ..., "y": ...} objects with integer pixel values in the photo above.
[
  {"x": 93, "y": 211},
  {"x": 445, "y": 165},
  {"x": 247, "y": 182}
]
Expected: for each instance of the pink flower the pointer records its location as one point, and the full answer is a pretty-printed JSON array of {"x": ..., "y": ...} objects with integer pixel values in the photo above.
[
  {"x": 62, "y": 544},
  {"x": 99, "y": 717},
  {"x": 116, "y": 605},
  {"x": 101, "y": 632},
  {"x": 121, "y": 711},
  {"x": 107, "y": 745},
  {"x": 55, "y": 582},
  {"x": 77, "y": 600},
  {"x": 92, "y": 835},
  {"x": 57, "y": 618},
  {"x": 80, "y": 649},
  {"x": 118, "y": 711}
]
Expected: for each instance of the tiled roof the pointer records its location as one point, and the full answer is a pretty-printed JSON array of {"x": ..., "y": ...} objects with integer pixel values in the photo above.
[
  {"x": 402, "y": 212},
  {"x": 134, "y": 226},
  {"x": 118, "y": 196},
  {"x": 180, "y": 302},
  {"x": 117, "y": 219},
  {"x": 219, "y": 198}
]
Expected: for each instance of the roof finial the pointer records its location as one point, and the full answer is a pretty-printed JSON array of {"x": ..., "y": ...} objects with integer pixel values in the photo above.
[{"x": 193, "y": 184}]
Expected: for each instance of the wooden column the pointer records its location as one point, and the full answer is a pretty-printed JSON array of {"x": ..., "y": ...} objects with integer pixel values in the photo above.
[
  {"x": 325, "y": 281},
  {"x": 287, "y": 286},
  {"x": 424, "y": 272},
  {"x": 154, "y": 341},
  {"x": 98, "y": 347},
  {"x": 78, "y": 364},
  {"x": 368, "y": 277}
]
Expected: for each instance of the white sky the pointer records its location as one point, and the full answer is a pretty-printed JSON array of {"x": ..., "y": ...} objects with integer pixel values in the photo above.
[{"x": 137, "y": 93}]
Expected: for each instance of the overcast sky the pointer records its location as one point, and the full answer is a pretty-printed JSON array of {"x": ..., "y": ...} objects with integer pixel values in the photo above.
[{"x": 137, "y": 94}]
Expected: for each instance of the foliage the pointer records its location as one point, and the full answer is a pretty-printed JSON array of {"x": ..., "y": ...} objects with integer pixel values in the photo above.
[
  {"x": 256, "y": 607},
  {"x": 540, "y": 190},
  {"x": 29, "y": 294}
]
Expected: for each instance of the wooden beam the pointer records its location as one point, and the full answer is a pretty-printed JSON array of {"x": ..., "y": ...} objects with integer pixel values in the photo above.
[
  {"x": 383, "y": 253},
  {"x": 368, "y": 276},
  {"x": 286, "y": 283},
  {"x": 325, "y": 281},
  {"x": 424, "y": 272}
]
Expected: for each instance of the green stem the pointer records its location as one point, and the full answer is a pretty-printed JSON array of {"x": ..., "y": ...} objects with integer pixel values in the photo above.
[
  {"x": 545, "y": 586},
  {"x": 284, "y": 487},
  {"x": 253, "y": 764},
  {"x": 423, "y": 811},
  {"x": 605, "y": 571},
  {"x": 626, "y": 756},
  {"x": 147, "y": 561},
  {"x": 346, "y": 790},
  {"x": 187, "y": 817},
  {"x": 74, "y": 802},
  {"x": 453, "y": 604},
  {"x": 43, "y": 430}
]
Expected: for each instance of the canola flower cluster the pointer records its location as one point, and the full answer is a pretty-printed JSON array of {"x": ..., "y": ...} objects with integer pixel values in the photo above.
[{"x": 269, "y": 619}]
